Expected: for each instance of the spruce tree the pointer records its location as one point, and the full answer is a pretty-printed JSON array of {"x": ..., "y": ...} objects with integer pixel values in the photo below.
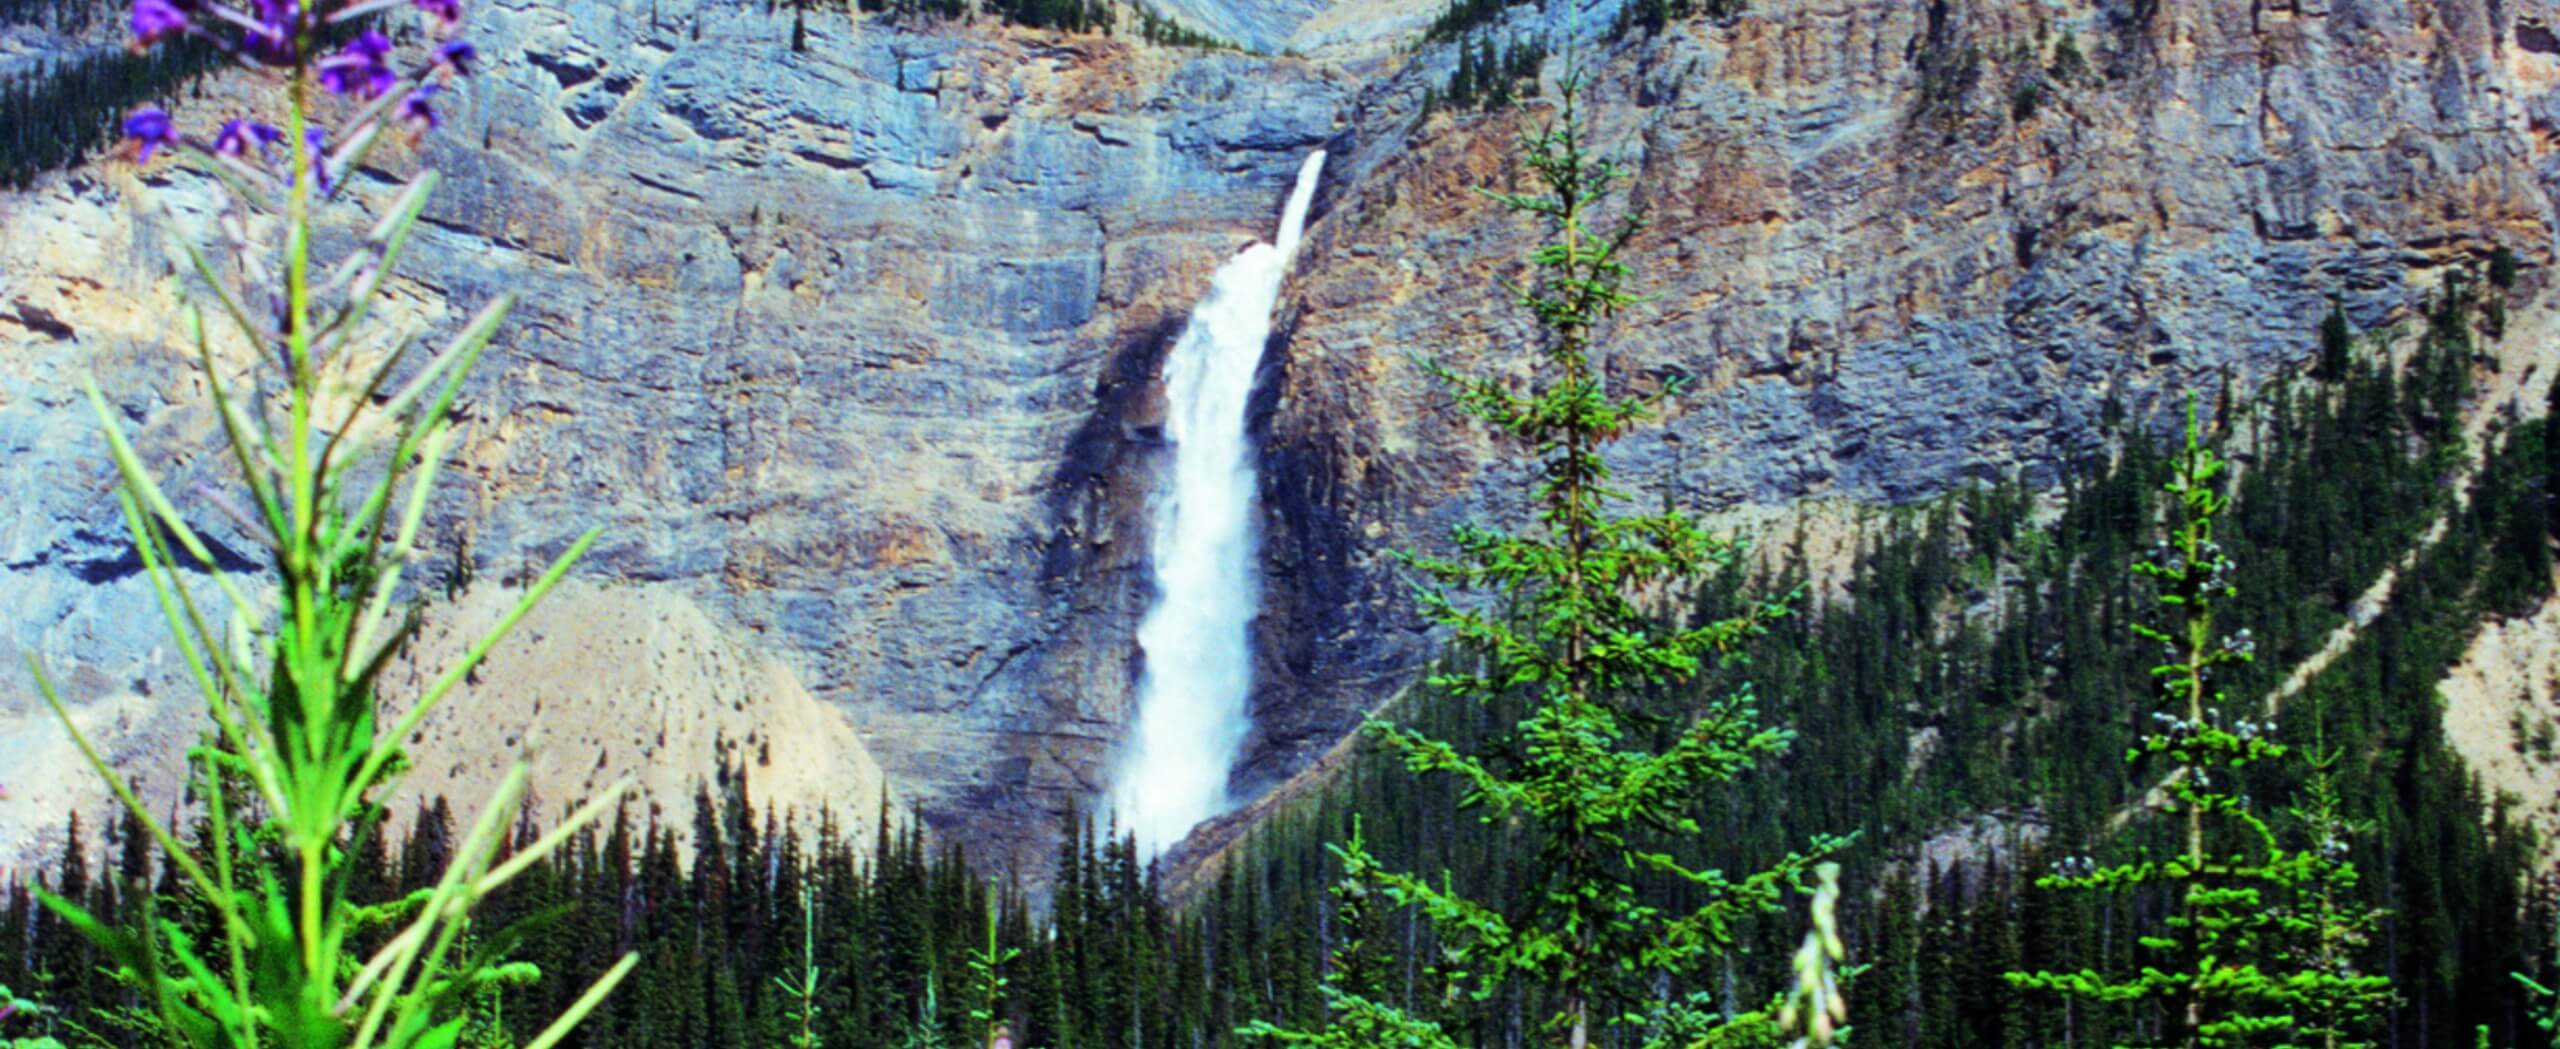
[
  {"x": 1562, "y": 614},
  {"x": 2337, "y": 1000},
  {"x": 2218, "y": 970}
]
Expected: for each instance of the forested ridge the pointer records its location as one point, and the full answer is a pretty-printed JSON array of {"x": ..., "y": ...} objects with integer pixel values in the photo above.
[
  {"x": 59, "y": 111},
  {"x": 1981, "y": 675}
]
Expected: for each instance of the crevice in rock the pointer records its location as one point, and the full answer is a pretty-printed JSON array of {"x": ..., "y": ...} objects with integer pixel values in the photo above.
[
  {"x": 42, "y": 322},
  {"x": 2537, "y": 38}
]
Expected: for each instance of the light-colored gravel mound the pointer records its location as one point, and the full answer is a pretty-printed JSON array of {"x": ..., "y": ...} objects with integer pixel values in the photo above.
[{"x": 603, "y": 681}]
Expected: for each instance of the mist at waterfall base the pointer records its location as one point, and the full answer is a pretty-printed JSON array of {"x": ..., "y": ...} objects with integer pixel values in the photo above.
[{"x": 1193, "y": 712}]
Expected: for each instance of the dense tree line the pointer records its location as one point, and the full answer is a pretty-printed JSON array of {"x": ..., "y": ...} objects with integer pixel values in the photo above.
[
  {"x": 1463, "y": 17},
  {"x": 1077, "y": 16},
  {"x": 63, "y": 111},
  {"x": 70, "y": 18},
  {"x": 1157, "y": 29},
  {"x": 714, "y": 904},
  {"x": 1491, "y": 74},
  {"x": 1651, "y": 16},
  {"x": 1073, "y": 16}
]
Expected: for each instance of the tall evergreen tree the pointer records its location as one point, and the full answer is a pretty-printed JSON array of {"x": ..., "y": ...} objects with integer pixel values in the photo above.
[{"x": 1561, "y": 612}]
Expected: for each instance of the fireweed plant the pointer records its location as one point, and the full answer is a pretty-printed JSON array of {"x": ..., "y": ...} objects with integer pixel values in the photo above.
[{"x": 337, "y": 448}]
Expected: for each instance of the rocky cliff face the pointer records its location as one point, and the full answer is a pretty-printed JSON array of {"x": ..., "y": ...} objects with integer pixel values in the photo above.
[
  {"x": 855, "y": 350},
  {"x": 850, "y": 348},
  {"x": 1878, "y": 271}
]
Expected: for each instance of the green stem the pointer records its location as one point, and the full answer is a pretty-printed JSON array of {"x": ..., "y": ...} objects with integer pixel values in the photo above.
[
  {"x": 217, "y": 809},
  {"x": 311, "y": 826}
]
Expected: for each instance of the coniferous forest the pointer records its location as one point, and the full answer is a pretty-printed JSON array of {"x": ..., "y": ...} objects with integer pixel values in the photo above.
[{"x": 2154, "y": 757}]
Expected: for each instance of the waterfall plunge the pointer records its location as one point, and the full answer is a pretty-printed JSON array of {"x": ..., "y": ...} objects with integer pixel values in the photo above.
[{"x": 1192, "y": 696}]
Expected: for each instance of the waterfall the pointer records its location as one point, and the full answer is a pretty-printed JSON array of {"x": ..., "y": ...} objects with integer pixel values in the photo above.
[{"x": 1192, "y": 695}]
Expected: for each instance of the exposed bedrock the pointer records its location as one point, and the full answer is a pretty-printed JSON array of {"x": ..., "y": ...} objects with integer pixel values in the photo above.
[
  {"x": 1878, "y": 272},
  {"x": 856, "y": 351}
]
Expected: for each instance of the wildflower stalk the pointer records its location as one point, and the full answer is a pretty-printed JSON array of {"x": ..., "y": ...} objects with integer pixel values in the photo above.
[{"x": 293, "y": 767}]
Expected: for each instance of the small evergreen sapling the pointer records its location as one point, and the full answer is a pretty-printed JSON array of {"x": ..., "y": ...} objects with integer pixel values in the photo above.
[
  {"x": 2338, "y": 1001},
  {"x": 986, "y": 971},
  {"x": 803, "y": 989}
]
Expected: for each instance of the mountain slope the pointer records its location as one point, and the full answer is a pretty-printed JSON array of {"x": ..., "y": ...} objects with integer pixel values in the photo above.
[
  {"x": 855, "y": 349},
  {"x": 1879, "y": 275}
]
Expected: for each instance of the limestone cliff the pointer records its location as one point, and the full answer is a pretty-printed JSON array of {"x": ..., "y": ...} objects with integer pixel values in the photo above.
[
  {"x": 854, "y": 350},
  {"x": 1878, "y": 272},
  {"x": 850, "y": 349}
]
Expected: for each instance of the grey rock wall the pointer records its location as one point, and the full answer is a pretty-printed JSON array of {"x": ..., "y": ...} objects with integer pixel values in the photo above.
[
  {"x": 856, "y": 350},
  {"x": 838, "y": 344},
  {"x": 1879, "y": 274}
]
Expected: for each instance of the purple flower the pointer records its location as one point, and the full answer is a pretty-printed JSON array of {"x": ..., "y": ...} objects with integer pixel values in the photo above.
[
  {"x": 418, "y": 114},
  {"x": 150, "y": 128},
  {"x": 279, "y": 28},
  {"x": 456, "y": 57},
  {"x": 238, "y": 136},
  {"x": 156, "y": 20},
  {"x": 447, "y": 13},
  {"x": 315, "y": 143},
  {"x": 363, "y": 69}
]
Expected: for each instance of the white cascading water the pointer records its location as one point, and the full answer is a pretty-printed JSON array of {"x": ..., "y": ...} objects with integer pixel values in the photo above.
[{"x": 1192, "y": 694}]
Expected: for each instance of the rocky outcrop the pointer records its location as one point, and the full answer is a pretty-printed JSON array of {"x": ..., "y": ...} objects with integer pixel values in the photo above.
[
  {"x": 600, "y": 683},
  {"x": 854, "y": 350},
  {"x": 2502, "y": 714},
  {"x": 1878, "y": 272},
  {"x": 850, "y": 348}
]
